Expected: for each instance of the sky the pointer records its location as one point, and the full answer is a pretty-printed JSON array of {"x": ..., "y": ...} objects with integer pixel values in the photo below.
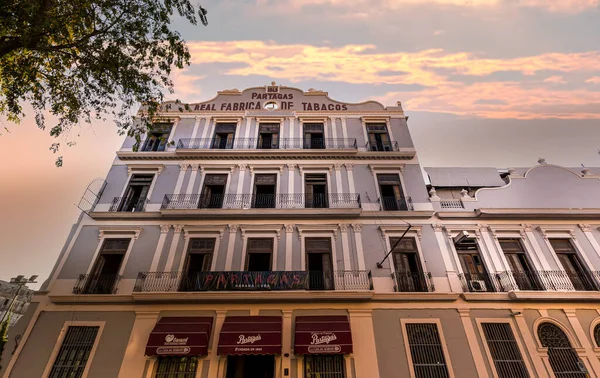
[{"x": 485, "y": 83}]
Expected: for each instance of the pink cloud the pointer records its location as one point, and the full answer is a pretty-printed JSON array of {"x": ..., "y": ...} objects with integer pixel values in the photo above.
[{"x": 555, "y": 80}]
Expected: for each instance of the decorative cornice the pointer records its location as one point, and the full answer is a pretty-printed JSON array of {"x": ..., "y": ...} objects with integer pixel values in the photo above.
[
  {"x": 119, "y": 231},
  {"x": 343, "y": 227},
  {"x": 191, "y": 230},
  {"x": 178, "y": 228},
  {"x": 276, "y": 229},
  {"x": 242, "y": 167},
  {"x": 145, "y": 167},
  {"x": 233, "y": 228},
  {"x": 585, "y": 227},
  {"x": 327, "y": 228}
]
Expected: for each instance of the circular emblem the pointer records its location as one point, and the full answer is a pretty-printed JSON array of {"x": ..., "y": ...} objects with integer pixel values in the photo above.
[
  {"x": 271, "y": 105},
  {"x": 169, "y": 338}
]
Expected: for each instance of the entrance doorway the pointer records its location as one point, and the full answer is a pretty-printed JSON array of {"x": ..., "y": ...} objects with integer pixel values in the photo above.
[{"x": 250, "y": 366}]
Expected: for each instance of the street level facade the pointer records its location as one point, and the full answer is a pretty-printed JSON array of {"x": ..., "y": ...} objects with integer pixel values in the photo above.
[{"x": 275, "y": 232}]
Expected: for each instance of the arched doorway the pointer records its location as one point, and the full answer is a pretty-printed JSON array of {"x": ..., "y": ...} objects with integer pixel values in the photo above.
[{"x": 563, "y": 359}]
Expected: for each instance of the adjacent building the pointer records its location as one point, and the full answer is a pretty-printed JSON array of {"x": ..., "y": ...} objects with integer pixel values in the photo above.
[
  {"x": 274, "y": 232},
  {"x": 14, "y": 299}
]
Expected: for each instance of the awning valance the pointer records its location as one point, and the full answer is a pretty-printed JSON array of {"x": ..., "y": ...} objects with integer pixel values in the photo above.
[
  {"x": 322, "y": 335},
  {"x": 180, "y": 336},
  {"x": 250, "y": 335}
]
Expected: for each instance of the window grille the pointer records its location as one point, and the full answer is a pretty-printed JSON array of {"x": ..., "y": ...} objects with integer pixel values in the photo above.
[
  {"x": 504, "y": 350},
  {"x": 201, "y": 245},
  {"x": 260, "y": 245},
  {"x": 376, "y": 127},
  {"x": 426, "y": 351},
  {"x": 176, "y": 367},
  {"x": 74, "y": 352},
  {"x": 563, "y": 359},
  {"x": 597, "y": 335},
  {"x": 326, "y": 366}
]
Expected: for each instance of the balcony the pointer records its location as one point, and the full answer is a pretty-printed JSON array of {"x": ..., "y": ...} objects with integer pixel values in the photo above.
[
  {"x": 451, "y": 204},
  {"x": 271, "y": 144},
  {"x": 128, "y": 204},
  {"x": 413, "y": 282},
  {"x": 148, "y": 282},
  {"x": 382, "y": 146},
  {"x": 481, "y": 283},
  {"x": 97, "y": 284},
  {"x": 546, "y": 280},
  {"x": 396, "y": 204}
]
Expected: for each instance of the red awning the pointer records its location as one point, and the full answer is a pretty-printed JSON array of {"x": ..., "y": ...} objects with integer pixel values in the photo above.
[
  {"x": 250, "y": 335},
  {"x": 322, "y": 335},
  {"x": 180, "y": 336}
]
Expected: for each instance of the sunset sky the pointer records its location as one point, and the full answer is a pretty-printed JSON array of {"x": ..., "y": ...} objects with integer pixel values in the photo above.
[{"x": 485, "y": 83}]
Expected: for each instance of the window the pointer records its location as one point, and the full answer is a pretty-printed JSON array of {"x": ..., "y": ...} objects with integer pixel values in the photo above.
[
  {"x": 105, "y": 273},
  {"x": 136, "y": 194},
  {"x": 260, "y": 253},
  {"x": 318, "y": 259},
  {"x": 176, "y": 367},
  {"x": 474, "y": 272},
  {"x": 264, "y": 191},
  {"x": 426, "y": 351},
  {"x": 315, "y": 190},
  {"x": 597, "y": 335},
  {"x": 314, "y": 136},
  {"x": 504, "y": 350},
  {"x": 563, "y": 359},
  {"x": 74, "y": 352},
  {"x": 213, "y": 192},
  {"x": 330, "y": 366},
  {"x": 198, "y": 260},
  {"x": 378, "y": 137},
  {"x": 224, "y": 135},
  {"x": 392, "y": 197},
  {"x": 521, "y": 272},
  {"x": 157, "y": 138},
  {"x": 268, "y": 136},
  {"x": 574, "y": 270},
  {"x": 409, "y": 274}
]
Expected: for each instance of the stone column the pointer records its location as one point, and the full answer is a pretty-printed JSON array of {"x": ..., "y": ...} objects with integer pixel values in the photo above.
[
  {"x": 363, "y": 341},
  {"x": 134, "y": 360},
  {"x": 182, "y": 169}
]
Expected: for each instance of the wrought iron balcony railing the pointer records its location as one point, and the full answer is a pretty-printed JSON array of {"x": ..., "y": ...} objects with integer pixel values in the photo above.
[
  {"x": 97, "y": 284},
  {"x": 413, "y": 282},
  {"x": 451, "y": 204},
  {"x": 247, "y": 201},
  {"x": 382, "y": 146},
  {"x": 128, "y": 204},
  {"x": 554, "y": 280},
  {"x": 267, "y": 144},
  {"x": 396, "y": 204},
  {"x": 481, "y": 282},
  {"x": 252, "y": 281}
]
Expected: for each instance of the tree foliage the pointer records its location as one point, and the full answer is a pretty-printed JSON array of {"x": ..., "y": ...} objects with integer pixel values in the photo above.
[
  {"x": 89, "y": 59},
  {"x": 4, "y": 336}
]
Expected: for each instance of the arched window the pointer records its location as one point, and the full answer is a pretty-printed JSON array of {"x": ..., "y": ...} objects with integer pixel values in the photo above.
[
  {"x": 597, "y": 334},
  {"x": 563, "y": 359}
]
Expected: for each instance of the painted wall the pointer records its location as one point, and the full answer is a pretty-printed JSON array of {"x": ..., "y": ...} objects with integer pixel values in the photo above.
[
  {"x": 142, "y": 252},
  {"x": 115, "y": 181},
  {"x": 17, "y": 329},
  {"x": 81, "y": 254}
]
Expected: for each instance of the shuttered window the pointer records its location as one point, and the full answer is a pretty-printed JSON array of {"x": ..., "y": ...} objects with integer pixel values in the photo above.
[
  {"x": 426, "y": 351},
  {"x": 318, "y": 245},
  {"x": 504, "y": 350},
  {"x": 74, "y": 352}
]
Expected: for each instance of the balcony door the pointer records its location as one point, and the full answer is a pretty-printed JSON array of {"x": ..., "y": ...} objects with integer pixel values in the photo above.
[
  {"x": 524, "y": 277},
  {"x": 409, "y": 273},
  {"x": 158, "y": 137},
  {"x": 319, "y": 263},
  {"x": 268, "y": 136},
  {"x": 105, "y": 273},
  {"x": 264, "y": 191},
  {"x": 315, "y": 191},
  {"x": 314, "y": 137},
  {"x": 136, "y": 194},
  {"x": 390, "y": 189},
  {"x": 224, "y": 135},
  {"x": 571, "y": 264},
  {"x": 213, "y": 192},
  {"x": 198, "y": 260},
  {"x": 475, "y": 274},
  {"x": 259, "y": 255},
  {"x": 379, "y": 139}
]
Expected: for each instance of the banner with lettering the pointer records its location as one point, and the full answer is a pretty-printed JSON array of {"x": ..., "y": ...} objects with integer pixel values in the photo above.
[{"x": 260, "y": 281}]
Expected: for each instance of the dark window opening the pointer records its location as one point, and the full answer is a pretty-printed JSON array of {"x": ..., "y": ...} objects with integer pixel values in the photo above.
[
  {"x": 319, "y": 264},
  {"x": 426, "y": 351},
  {"x": 409, "y": 273},
  {"x": 378, "y": 136},
  {"x": 392, "y": 197},
  {"x": 475, "y": 274},
  {"x": 213, "y": 192},
  {"x": 264, "y": 191},
  {"x": 157, "y": 138},
  {"x": 224, "y": 136},
  {"x": 198, "y": 260},
  {"x": 260, "y": 253},
  {"x": 315, "y": 189},
  {"x": 597, "y": 335},
  {"x": 176, "y": 367},
  {"x": 254, "y": 366},
  {"x": 504, "y": 350},
  {"x": 572, "y": 265},
  {"x": 268, "y": 136},
  {"x": 74, "y": 352},
  {"x": 136, "y": 193},
  {"x": 105, "y": 273},
  {"x": 563, "y": 359},
  {"x": 330, "y": 366},
  {"x": 314, "y": 137},
  {"x": 524, "y": 277}
]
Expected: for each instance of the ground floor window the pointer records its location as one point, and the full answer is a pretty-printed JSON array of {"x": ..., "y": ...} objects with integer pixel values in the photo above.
[
  {"x": 176, "y": 367},
  {"x": 74, "y": 352},
  {"x": 251, "y": 366},
  {"x": 324, "y": 366}
]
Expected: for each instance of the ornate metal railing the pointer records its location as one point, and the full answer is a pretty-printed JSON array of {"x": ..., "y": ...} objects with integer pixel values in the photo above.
[
  {"x": 521, "y": 280},
  {"x": 396, "y": 204},
  {"x": 481, "y": 282},
  {"x": 97, "y": 284},
  {"x": 413, "y": 282},
  {"x": 382, "y": 146},
  {"x": 128, "y": 204},
  {"x": 451, "y": 204},
  {"x": 566, "y": 281},
  {"x": 555, "y": 280},
  {"x": 252, "y": 281},
  {"x": 269, "y": 144},
  {"x": 246, "y": 201}
]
